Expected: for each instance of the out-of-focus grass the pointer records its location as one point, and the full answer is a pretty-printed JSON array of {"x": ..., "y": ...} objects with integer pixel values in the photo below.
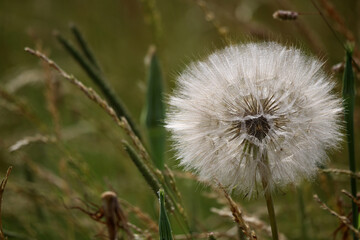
[{"x": 91, "y": 158}]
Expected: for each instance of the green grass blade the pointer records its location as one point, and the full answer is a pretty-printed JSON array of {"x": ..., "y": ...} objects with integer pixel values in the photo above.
[
  {"x": 164, "y": 223},
  {"x": 100, "y": 81},
  {"x": 155, "y": 112},
  {"x": 349, "y": 101},
  {"x": 149, "y": 178},
  {"x": 84, "y": 46}
]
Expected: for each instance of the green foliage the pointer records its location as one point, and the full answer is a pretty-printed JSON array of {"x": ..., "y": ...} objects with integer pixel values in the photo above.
[
  {"x": 143, "y": 169},
  {"x": 87, "y": 160},
  {"x": 348, "y": 79},
  {"x": 164, "y": 223},
  {"x": 349, "y": 102},
  {"x": 93, "y": 70},
  {"x": 155, "y": 112}
]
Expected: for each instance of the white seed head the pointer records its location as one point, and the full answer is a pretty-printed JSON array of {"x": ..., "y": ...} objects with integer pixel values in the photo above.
[{"x": 249, "y": 101}]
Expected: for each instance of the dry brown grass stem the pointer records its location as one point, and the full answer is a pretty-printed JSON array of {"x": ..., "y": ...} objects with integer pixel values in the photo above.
[
  {"x": 185, "y": 175},
  {"x": 31, "y": 139},
  {"x": 92, "y": 95},
  {"x": 51, "y": 95},
  {"x": 238, "y": 216},
  {"x": 49, "y": 177},
  {"x": 253, "y": 222},
  {"x": 21, "y": 108},
  {"x": 172, "y": 182},
  {"x": 145, "y": 234},
  {"x": 210, "y": 17},
  {"x": 343, "y": 219},
  {"x": 341, "y": 171},
  {"x": 355, "y": 200},
  {"x": 153, "y": 17},
  {"x": 312, "y": 39},
  {"x": 339, "y": 22},
  {"x": 2, "y": 189}
]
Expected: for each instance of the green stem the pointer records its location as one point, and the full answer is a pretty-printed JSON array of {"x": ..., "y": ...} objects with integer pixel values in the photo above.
[
  {"x": 302, "y": 214},
  {"x": 84, "y": 46},
  {"x": 349, "y": 102},
  {"x": 268, "y": 198},
  {"x": 96, "y": 75}
]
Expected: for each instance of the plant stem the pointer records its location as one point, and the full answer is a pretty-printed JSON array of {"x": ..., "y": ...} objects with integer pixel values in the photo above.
[
  {"x": 349, "y": 102},
  {"x": 302, "y": 214},
  {"x": 268, "y": 198}
]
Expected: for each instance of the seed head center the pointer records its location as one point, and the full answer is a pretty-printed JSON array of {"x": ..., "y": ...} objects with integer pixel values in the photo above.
[{"x": 257, "y": 127}]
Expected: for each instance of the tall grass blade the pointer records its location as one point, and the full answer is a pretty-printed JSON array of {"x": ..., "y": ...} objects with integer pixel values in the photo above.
[
  {"x": 155, "y": 112},
  {"x": 164, "y": 223},
  {"x": 302, "y": 211},
  {"x": 98, "y": 78},
  {"x": 349, "y": 101},
  {"x": 84, "y": 46},
  {"x": 148, "y": 176}
]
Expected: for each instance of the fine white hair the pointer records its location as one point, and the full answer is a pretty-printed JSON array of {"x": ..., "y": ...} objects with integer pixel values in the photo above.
[{"x": 254, "y": 105}]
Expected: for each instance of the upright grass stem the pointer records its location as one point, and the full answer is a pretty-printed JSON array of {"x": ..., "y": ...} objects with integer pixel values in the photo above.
[
  {"x": 93, "y": 71},
  {"x": 349, "y": 101},
  {"x": 268, "y": 198},
  {"x": 304, "y": 235}
]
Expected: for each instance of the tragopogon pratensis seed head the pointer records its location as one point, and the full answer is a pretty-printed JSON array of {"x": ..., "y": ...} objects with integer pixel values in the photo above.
[{"x": 251, "y": 102}]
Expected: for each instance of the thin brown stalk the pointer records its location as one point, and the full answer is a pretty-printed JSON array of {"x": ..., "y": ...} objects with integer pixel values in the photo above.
[
  {"x": 31, "y": 139},
  {"x": 49, "y": 177},
  {"x": 210, "y": 17},
  {"x": 21, "y": 108},
  {"x": 51, "y": 95},
  {"x": 339, "y": 22},
  {"x": 341, "y": 171},
  {"x": 312, "y": 39},
  {"x": 172, "y": 183},
  {"x": 144, "y": 233},
  {"x": 343, "y": 219},
  {"x": 354, "y": 199},
  {"x": 238, "y": 216},
  {"x": 253, "y": 222},
  {"x": 2, "y": 189},
  {"x": 153, "y": 17},
  {"x": 145, "y": 218}
]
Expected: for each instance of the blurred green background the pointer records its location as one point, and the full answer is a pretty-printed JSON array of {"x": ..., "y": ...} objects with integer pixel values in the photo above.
[{"x": 91, "y": 158}]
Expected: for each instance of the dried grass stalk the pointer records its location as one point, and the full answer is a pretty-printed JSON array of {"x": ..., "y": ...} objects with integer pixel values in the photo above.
[
  {"x": 2, "y": 189},
  {"x": 31, "y": 139},
  {"x": 238, "y": 216},
  {"x": 144, "y": 217},
  {"x": 343, "y": 219},
  {"x": 341, "y": 171}
]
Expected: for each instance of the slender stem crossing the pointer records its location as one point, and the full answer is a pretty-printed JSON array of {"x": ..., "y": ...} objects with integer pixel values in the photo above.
[{"x": 267, "y": 194}]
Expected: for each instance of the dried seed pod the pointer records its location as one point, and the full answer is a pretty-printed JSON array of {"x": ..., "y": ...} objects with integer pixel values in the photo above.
[
  {"x": 114, "y": 215},
  {"x": 285, "y": 15}
]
